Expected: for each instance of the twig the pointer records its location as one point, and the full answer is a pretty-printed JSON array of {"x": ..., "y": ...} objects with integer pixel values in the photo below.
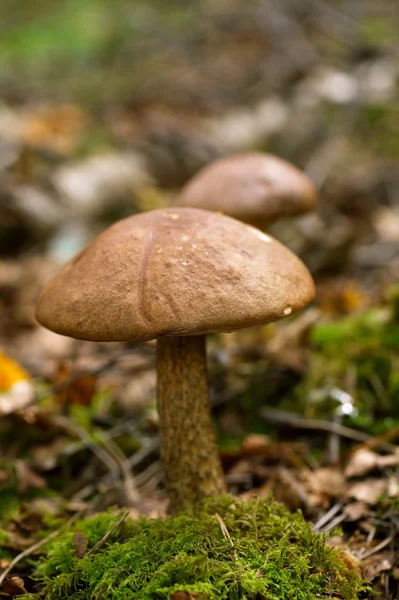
[
  {"x": 283, "y": 417},
  {"x": 327, "y": 516},
  {"x": 378, "y": 547},
  {"x": 334, "y": 522},
  {"x": 129, "y": 426},
  {"x": 153, "y": 473},
  {"x": 378, "y": 441},
  {"x": 129, "y": 482},
  {"x": 226, "y": 534},
  {"x": 334, "y": 441},
  {"x": 134, "y": 460},
  {"x": 69, "y": 425},
  {"x": 102, "y": 541},
  {"x": 36, "y": 546}
]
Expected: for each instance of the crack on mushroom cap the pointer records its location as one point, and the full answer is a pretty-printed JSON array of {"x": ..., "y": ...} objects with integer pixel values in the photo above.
[
  {"x": 142, "y": 277},
  {"x": 149, "y": 275}
]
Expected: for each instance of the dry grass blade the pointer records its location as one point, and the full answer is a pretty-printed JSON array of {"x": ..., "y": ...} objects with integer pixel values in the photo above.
[
  {"x": 293, "y": 420},
  {"x": 108, "y": 534},
  {"x": 378, "y": 547},
  {"x": 326, "y": 518},
  {"x": 225, "y": 533}
]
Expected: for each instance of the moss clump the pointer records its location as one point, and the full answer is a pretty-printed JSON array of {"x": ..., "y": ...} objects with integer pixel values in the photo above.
[{"x": 256, "y": 550}]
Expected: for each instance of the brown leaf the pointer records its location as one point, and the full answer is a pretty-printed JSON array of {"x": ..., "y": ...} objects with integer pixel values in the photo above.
[
  {"x": 181, "y": 595},
  {"x": 56, "y": 127},
  {"x": 255, "y": 442},
  {"x": 368, "y": 491},
  {"x": 14, "y": 586},
  {"x": 362, "y": 461},
  {"x": 356, "y": 511},
  {"x": 288, "y": 488},
  {"x": 325, "y": 481},
  {"x": 376, "y": 564},
  {"x": 80, "y": 544},
  {"x": 74, "y": 390}
]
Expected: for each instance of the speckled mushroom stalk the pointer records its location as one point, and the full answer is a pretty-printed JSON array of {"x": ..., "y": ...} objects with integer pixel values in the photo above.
[
  {"x": 175, "y": 276},
  {"x": 188, "y": 448}
]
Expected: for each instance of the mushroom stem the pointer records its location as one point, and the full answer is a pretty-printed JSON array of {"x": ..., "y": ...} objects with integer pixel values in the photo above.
[{"x": 188, "y": 448}]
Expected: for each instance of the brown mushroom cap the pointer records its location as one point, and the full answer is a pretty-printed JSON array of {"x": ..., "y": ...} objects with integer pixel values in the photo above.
[
  {"x": 173, "y": 272},
  {"x": 252, "y": 187}
]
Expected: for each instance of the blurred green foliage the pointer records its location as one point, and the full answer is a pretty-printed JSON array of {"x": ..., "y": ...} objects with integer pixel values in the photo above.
[{"x": 358, "y": 354}]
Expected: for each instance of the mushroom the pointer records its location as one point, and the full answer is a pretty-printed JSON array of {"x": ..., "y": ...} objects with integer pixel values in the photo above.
[
  {"x": 256, "y": 188},
  {"x": 176, "y": 275}
]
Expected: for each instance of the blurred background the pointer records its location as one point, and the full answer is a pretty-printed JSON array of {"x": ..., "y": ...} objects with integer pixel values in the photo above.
[{"x": 109, "y": 108}]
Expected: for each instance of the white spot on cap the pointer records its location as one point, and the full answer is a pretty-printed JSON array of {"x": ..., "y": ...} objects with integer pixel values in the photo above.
[
  {"x": 173, "y": 216},
  {"x": 260, "y": 234},
  {"x": 287, "y": 311}
]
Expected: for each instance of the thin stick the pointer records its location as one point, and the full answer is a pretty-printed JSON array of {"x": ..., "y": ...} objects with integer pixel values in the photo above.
[
  {"x": 334, "y": 523},
  {"x": 102, "y": 454},
  {"x": 129, "y": 482},
  {"x": 133, "y": 461},
  {"x": 377, "y": 548},
  {"x": 324, "y": 519},
  {"x": 293, "y": 420},
  {"x": 36, "y": 546},
  {"x": 225, "y": 533},
  {"x": 108, "y": 534}
]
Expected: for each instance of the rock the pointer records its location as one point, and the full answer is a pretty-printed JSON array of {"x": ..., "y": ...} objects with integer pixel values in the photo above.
[{"x": 101, "y": 184}]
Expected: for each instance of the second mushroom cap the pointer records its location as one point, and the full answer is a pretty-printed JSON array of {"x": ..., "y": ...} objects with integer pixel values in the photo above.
[{"x": 256, "y": 188}]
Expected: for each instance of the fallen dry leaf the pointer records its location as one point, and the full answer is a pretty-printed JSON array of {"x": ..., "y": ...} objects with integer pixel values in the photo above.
[
  {"x": 368, "y": 491},
  {"x": 80, "y": 544},
  {"x": 376, "y": 564},
  {"x": 328, "y": 481},
  {"x": 288, "y": 488},
  {"x": 356, "y": 511},
  {"x": 255, "y": 442},
  {"x": 56, "y": 127},
  {"x": 73, "y": 389},
  {"x": 180, "y": 595},
  {"x": 14, "y": 586},
  {"x": 362, "y": 461}
]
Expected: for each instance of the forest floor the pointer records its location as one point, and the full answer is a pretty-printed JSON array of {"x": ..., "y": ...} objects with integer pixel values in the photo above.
[{"x": 306, "y": 409}]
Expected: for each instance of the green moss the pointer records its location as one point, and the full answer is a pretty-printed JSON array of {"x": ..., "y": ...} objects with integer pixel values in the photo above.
[
  {"x": 264, "y": 552},
  {"x": 361, "y": 348}
]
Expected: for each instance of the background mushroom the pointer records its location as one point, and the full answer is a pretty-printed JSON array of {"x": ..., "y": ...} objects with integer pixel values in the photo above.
[
  {"x": 176, "y": 275},
  {"x": 256, "y": 188}
]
